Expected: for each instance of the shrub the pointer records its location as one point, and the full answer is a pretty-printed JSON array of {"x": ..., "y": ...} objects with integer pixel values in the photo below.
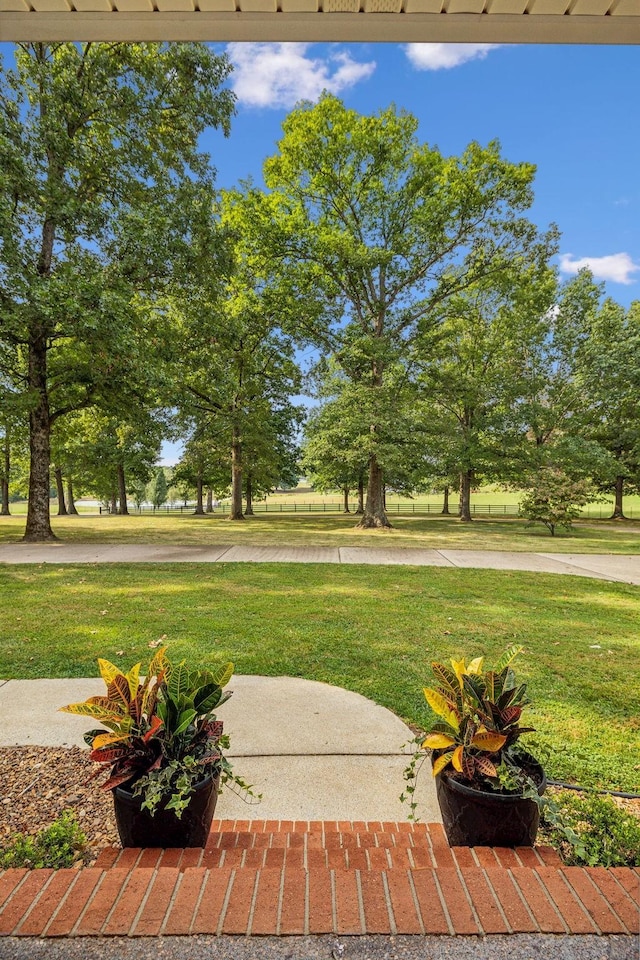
[
  {"x": 55, "y": 846},
  {"x": 554, "y": 499},
  {"x": 609, "y": 835}
]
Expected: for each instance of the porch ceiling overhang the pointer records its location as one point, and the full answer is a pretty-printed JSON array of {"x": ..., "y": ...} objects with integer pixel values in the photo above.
[{"x": 459, "y": 21}]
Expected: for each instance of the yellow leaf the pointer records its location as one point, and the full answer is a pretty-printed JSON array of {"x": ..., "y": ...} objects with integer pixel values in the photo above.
[
  {"x": 88, "y": 709},
  {"x": 104, "y": 739},
  {"x": 442, "y": 707},
  {"x": 489, "y": 741},
  {"x": 133, "y": 679},
  {"x": 158, "y": 663},
  {"x": 436, "y": 741},
  {"x": 224, "y": 675},
  {"x": 108, "y": 671},
  {"x": 459, "y": 669},
  {"x": 441, "y": 763},
  {"x": 476, "y": 665},
  {"x": 456, "y": 759}
]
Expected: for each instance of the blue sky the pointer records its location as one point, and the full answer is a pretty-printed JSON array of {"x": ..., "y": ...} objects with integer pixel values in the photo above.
[{"x": 570, "y": 110}]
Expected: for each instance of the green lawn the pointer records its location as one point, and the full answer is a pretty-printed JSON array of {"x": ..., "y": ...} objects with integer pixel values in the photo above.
[
  {"x": 336, "y": 530},
  {"x": 373, "y": 630}
]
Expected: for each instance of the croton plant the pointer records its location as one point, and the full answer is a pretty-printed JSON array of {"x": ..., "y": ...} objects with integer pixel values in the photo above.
[
  {"x": 479, "y": 716},
  {"x": 160, "y": 733}
]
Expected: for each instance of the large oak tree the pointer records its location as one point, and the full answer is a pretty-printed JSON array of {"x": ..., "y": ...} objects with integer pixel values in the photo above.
[
  {"x": 393, "y": 229},
  {"x": 101, "y": 185}
]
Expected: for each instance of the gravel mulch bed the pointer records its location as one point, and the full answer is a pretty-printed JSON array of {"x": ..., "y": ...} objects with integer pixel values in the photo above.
[{"x": 39, "y": 783}]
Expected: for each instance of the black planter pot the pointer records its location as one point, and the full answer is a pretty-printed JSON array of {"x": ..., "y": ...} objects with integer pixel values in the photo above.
[
  {"x": 475, "y": 818},
  {"x": 137, "y": 828}
]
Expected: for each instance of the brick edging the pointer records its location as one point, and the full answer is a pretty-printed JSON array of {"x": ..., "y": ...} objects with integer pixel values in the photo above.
[{"x": 277, "y": 878}]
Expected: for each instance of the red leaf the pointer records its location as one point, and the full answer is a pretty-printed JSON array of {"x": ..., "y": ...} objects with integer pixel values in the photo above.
[
  {"x": 156, "y": 723},
  {"x": 108, "y": 754},
  {"x": 117, "y": 779},
  {"x": 485, "y": 767},
  {"x": 468, "y": 766},
  {"x": 511, "y": 715}
]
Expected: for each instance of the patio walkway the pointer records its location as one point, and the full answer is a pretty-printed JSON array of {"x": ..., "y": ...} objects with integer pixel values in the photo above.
[
  {"x": 274, "y": 878},
  {"x": 617, "y": 567}
]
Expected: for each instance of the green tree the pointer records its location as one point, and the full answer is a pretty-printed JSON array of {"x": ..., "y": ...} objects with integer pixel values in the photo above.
[
  {"x": 609, "y": 376},
  {"x": 110, "y": 455},
  {"x": 158, "y": 488},
  {"x": 473, "y": 381},
  {"x": 237, "y": 364},
  {"x": 199, "y": 464},
  {"x": 555, "y": 499},
  {"x": 389, "y": 229},
  {"x": 271, "y": 451},
  {"x": 102, "y": 187}
]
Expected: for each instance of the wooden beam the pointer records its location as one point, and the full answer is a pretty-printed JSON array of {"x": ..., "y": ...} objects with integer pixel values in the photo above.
[{"x": 328, "y": 27}]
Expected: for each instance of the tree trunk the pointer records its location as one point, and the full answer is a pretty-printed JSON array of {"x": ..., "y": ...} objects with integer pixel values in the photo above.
[
  {"x": 345, "y": 500},
  {"x": 445, "y": 503},
  {"x": 249, "y": 496},
  {"x": 62, "y": 506},
  {"x": 236, "y": 476},
  {"x": 199, "y": 510},
  {"x": 71, "y": 503},
  {"x": 209, "y": 506},
  {"x": 113, "y": 505},
  {"x": 360, "y": 509},
  {"x": 6, "y": 470},
  {"x": 466, "y": 480},
  {"x": 38, "y": 527},
  {"x": 122, "y": 492},
  {"x": 618, "y": 512},
  {"x": 374, "y": 516}
]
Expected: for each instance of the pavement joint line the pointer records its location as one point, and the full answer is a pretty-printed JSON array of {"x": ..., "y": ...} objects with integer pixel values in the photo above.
[
  {"x": 225, "y": 902},
  {"x": 467, "y": 894},
  {"x": 198, "y": 901},
  {"x": 496, "y": 898},
  {"x": 447, "y": 561},
  {"x": 443, "y": 903},
  {"x": 171, "y": 903},
  {"x": 416, "y": 902},
  {"x": 579, "y": 566}
]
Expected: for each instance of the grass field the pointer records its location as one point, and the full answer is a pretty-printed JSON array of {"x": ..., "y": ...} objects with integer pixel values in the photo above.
[
  {"x": 336, "y": 530},
  {"x": 373, "y": 630}
]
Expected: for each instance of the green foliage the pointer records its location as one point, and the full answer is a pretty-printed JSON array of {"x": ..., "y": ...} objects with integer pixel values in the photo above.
[
  {"x": 479, "y": 715},
  {"x": 478, "y": 725},
  {"x": 86, "y": 257},
  {"x": 162, "y": 734},
  {"x": 55, "y": 846},
  {"x": 158, "y": 488},
  {"x": 390, "y": 230},
  {"x": 555, "y": 499},
  {"x": 607, "y": 835}
]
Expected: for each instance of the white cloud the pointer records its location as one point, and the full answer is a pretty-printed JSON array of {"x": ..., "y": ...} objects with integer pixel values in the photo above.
[
  {"x": 617, "y": 267},
  {"x": 443, "y": 56},
  {"x": 278, "y": 75}
]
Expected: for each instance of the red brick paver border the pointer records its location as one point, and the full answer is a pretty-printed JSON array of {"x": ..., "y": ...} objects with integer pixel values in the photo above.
[{"x": 284, "y": 878}]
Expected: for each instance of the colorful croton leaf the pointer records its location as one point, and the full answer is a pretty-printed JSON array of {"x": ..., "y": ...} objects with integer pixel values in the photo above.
[{"x": 479, "y": 713}]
